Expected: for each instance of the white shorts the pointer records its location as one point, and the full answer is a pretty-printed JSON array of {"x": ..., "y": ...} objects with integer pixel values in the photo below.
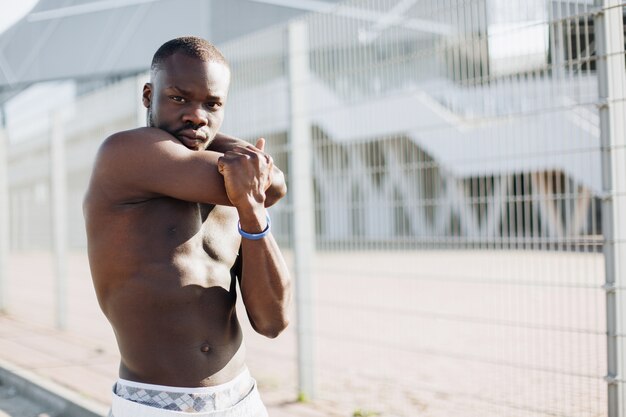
[{"x": 239, "y": 397}]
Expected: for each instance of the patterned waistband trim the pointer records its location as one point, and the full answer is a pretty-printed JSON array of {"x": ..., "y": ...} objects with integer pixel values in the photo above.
[
  {"x": 243, "y": 376},
  {"x": 189, "y": 400}
]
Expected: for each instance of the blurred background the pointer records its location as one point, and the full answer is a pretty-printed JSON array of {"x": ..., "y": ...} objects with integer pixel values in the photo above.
[{"x": 456, "y": 216}]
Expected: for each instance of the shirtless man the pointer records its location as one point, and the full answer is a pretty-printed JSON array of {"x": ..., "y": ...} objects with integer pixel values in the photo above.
[{"x": 175, "y": 216}]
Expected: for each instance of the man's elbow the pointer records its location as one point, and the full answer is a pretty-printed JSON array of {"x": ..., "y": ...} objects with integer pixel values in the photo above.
[
  {"x": 277, "y": 190},
  {"x": 281, "y": 190},
  {"x": 272, "y": 329}
]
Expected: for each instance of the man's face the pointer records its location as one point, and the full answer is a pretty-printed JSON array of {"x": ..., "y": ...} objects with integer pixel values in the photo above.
[{"x": 186, "y": 98}]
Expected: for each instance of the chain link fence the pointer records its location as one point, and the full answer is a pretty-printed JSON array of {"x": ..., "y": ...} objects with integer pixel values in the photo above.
[{"x": 456, "y": 158}]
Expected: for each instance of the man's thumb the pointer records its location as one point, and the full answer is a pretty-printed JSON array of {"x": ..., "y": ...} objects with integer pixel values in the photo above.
[{"x": 260, "y": 144}]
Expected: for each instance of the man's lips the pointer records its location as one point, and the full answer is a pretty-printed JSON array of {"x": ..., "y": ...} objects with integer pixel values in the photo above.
[
  {"x": 191, "y": 138},
  {"x": 192, "y": 134}
]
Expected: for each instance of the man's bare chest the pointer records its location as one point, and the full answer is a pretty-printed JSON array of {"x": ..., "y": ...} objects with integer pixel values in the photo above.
[
  {"x": 218, "y": 231},
  {"x": 172, "y": 229}
]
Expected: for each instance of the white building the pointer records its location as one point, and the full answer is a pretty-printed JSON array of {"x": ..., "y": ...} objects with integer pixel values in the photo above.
[{"x": 433, "y": 123}]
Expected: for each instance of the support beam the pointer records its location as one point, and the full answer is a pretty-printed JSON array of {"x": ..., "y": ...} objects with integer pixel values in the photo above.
[
  {"x": 609, "y": 36},
  {"x": 301, "y": 189},
  {"x": 4, "y": 221},
  {"x": 58, "y": 186}
]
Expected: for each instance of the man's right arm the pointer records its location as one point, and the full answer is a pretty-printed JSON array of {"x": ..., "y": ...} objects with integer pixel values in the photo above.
[{"x": 147, "y": 163}]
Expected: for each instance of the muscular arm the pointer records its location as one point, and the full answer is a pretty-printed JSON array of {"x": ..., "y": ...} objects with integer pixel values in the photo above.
[
  {"x": 263, "y": 275},
  {"x": 278, "y": 188},
  {"x": 147, "y": 163},
  {"x": 263, "y": 278}
]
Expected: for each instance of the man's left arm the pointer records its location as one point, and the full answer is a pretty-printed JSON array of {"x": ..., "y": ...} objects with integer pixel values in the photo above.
[
  {"x": 264, "y": 280},
  {"x": 278, "y": 189},
  {"x": 262, "y": 271}
]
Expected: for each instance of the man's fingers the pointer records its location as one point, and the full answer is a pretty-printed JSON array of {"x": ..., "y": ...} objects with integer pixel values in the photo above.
[
  {"x": 250, "y": 151},
  {"x": 260, "y": 144}
]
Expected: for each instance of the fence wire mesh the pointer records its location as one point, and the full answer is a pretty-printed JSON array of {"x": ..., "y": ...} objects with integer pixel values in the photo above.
[
  {"x": 458, "y": 178},
  {"x": 457, "y": 170}
]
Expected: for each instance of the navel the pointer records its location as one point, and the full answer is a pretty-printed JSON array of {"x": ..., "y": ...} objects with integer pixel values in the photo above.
[{"x": 205, "y": 348}]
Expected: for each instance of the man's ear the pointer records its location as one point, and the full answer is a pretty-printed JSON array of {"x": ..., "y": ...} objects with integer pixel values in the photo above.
[{"x": 147, "y": 95}]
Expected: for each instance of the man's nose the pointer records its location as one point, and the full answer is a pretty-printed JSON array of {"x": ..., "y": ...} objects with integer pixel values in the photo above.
[{"x": 196, "y": 116}]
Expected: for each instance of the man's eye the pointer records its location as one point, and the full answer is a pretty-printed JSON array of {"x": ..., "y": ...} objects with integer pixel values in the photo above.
[
  {"x": 214, "y": 105},
  {"x": 178, "y": 99}
]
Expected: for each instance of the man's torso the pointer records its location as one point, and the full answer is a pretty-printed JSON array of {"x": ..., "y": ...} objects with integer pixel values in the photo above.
[{"x": 162, "y": 272}]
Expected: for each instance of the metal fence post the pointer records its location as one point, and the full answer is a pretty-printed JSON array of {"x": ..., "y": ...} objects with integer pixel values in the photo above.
[
  {"x": 301, "y": 190},
  {"x": 609, "y": 38},
  {"x": 59, "y": 217},
  {"x": 4, "y": 220}
]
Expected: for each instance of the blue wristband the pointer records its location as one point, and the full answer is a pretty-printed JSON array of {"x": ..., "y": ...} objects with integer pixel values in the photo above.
[{"x": 255, "y": 236}]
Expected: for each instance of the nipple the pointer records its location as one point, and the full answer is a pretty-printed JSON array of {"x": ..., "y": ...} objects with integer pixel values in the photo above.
[{"x": 205, "y": 348}]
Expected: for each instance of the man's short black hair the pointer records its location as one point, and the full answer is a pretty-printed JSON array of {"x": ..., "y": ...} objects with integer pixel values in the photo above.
[{"x": 191, "y": 46}]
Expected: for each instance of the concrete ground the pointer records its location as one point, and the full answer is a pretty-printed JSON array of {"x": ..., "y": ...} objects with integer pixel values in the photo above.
[
  {"x": 84, "y": 357},
  {"x": 82, "y": 365},
  {"x": 434, "y": 333}
]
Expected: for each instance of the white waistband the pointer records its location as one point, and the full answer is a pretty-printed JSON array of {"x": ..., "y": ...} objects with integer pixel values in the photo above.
[
  {"x": 250, "y": 406},
  {"x": 245, "y": 375}
]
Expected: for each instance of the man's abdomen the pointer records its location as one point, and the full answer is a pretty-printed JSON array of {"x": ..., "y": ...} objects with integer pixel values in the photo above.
[{"x": 178, "y": 329}]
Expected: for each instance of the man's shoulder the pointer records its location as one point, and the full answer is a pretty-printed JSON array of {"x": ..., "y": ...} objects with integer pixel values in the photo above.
[
  {"x": 136, "y": 137},
  {"x": 122, "y": 156},
  {"x": 136, "y": 145}
]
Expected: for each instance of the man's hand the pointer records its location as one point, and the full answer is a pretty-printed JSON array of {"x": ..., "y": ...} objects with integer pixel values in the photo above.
[
  {"x": 277, "y": 189},
  {"x": 247, "y": 172}
]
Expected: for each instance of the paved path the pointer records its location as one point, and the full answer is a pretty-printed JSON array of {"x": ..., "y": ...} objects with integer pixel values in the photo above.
[
  {"x": 84, "y": 358},
  {"x": 433, "y": 333},
  {"x": 86, "y": 367}
]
